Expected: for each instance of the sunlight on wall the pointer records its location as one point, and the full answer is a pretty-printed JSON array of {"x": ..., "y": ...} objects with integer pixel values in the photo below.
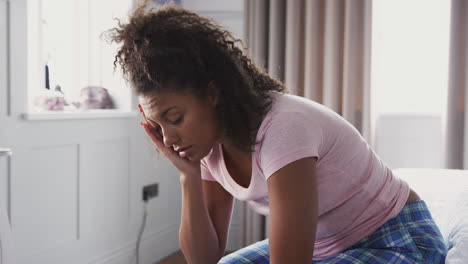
[
  {"x": 410, "y": 49},
  {"x": 409, "y": 81}
]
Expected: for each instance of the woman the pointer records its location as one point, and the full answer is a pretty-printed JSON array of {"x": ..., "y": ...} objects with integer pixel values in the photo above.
[{"x": 233, "y": 132}]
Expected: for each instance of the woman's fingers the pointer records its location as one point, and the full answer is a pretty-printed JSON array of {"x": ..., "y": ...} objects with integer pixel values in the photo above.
[
  {"x": 155, "y": 138},
  {"x": 181, "y": 163},
  {"x": 143, "y": 113},
  {"x": 149, "y": 130}
]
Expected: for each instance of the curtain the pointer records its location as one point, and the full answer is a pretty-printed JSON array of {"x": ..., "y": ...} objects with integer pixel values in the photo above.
[
  {"x": 320, "y": 49},
  {"x": 456, "y": 126},
  {"x": 256, "y": 20}
]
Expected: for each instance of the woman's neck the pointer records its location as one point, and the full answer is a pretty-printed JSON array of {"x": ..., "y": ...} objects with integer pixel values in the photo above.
[{"x": 233, "y": 152}]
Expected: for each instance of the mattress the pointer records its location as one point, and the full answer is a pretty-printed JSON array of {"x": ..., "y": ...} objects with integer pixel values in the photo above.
[{"x": 446, "y": 194}]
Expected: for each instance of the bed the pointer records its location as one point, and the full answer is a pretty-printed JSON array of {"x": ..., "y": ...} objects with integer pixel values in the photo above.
[{"x": 446, "y": 194}]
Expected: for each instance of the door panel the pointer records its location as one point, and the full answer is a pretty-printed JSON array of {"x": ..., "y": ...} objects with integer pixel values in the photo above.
[
  {"x": 4, "y": 14},
  {"x": 71, "y": 191},
  {"x": 6, "y": 245}
]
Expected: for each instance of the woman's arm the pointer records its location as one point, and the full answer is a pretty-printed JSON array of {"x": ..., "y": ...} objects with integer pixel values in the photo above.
[
  {"x": 206, "y": 213},
  {"x": 206, "y": 207},
  {"x": 293, "y": 212}
]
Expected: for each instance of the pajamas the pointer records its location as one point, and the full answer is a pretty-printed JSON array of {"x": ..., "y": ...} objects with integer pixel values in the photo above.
[{"x": 410, "y": 237}]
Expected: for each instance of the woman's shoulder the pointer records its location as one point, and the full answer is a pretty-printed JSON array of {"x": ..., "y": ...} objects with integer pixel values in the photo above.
[
  {"x": 290, "y": 103},
  {"x": 302, "y": 109},
  {"x": 291, "y": 119},
  {"x": 288, "y": 109}
]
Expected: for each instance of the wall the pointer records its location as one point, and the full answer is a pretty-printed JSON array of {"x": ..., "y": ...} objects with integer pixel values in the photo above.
[{"x": 71, "y": 192}]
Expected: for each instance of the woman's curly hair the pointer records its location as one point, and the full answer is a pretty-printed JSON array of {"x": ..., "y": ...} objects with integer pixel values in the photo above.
[{"x": 172, "y": 45}]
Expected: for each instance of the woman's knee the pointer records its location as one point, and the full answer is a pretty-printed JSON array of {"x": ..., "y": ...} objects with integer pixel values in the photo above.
[{"x": 255, "y": 253}]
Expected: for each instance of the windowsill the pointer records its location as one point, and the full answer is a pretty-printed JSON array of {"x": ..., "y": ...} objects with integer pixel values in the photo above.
[{"x": 88, "y": 114}]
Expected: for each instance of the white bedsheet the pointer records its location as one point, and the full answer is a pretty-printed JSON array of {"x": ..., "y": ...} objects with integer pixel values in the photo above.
[{"x": 446, "y": 194}]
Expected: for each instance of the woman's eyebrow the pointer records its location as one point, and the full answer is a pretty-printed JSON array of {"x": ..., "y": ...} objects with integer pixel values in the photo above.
[
  {"x": 165, "y": 112},
  {"x": 162, "y": 114}
]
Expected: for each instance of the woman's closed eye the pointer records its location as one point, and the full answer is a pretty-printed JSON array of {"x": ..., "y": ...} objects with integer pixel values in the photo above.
[
  {"x": 158, "y": 128},
  {"x": 176, "y": 121}
]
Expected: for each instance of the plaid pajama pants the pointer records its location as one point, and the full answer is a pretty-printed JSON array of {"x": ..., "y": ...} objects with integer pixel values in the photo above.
[{"x": 410, "y": 237}]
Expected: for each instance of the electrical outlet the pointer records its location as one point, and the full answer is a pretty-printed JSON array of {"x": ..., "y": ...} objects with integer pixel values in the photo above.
[{"x": 150, "y": 191}]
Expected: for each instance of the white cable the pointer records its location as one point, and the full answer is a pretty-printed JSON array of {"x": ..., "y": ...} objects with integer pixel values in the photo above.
[
  {"x": 145, "y": 214},
  {"x": 1, "y": 251}
]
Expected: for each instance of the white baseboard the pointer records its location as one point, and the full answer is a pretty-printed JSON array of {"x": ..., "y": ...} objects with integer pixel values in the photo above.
[{"x": 153, "y": 248}]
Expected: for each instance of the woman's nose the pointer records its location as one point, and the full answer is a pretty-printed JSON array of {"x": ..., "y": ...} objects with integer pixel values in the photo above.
[{"x": 170, "y": 138}]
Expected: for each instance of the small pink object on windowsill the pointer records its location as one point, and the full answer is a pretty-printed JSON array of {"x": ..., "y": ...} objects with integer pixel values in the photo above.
[{"x": 49, "y": 101}]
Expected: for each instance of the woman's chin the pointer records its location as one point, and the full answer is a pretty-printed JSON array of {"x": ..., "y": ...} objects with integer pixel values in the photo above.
[
  {"x": 199, "y": 156},
  {"x": 195, "y": 157}
]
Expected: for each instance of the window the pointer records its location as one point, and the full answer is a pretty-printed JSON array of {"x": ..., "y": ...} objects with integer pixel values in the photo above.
[
  {"x": 409, "y": 80},
  {"x": 65, "y": 36},
  {"x": 410, "y": 51}
]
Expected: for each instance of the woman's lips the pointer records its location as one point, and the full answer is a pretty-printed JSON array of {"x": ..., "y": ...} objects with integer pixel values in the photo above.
[
  {"x": 185, "y": 152},
  {"x": 183, "y": 149}
]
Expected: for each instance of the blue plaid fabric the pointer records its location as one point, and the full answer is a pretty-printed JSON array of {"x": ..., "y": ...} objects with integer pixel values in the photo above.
[{"x": 410, "y": 237}]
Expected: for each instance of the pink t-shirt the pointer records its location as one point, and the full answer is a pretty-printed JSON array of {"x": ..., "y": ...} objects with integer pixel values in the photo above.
[{"x": 357, "y": 193}]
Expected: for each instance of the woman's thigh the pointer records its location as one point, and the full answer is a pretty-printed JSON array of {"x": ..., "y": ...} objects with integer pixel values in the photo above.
[
  {"x": 257, "y": 253},
  {"x": 410, "y": 237}
]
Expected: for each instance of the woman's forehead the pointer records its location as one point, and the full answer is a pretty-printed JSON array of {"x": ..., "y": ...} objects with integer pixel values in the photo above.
[
  {"x": 158, "y": 103},
  {"x": 158, "y": 100}
]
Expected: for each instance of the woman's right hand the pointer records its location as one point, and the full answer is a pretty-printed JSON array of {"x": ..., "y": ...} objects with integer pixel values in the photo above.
[{"x": 184, "y": 165}]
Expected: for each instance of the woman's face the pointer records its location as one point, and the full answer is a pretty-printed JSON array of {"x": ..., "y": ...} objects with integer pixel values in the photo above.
[{"x": 184, "y": 121}]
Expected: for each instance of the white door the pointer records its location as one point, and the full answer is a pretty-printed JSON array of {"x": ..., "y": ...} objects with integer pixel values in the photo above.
[
  {"x": 71, "y": 191},
  {"x": 67, "y": 194},
  {"x": 6, "y": 244}
]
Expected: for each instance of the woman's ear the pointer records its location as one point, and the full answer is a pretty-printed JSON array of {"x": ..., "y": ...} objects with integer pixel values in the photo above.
[{"x": 213, "y": 93}]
